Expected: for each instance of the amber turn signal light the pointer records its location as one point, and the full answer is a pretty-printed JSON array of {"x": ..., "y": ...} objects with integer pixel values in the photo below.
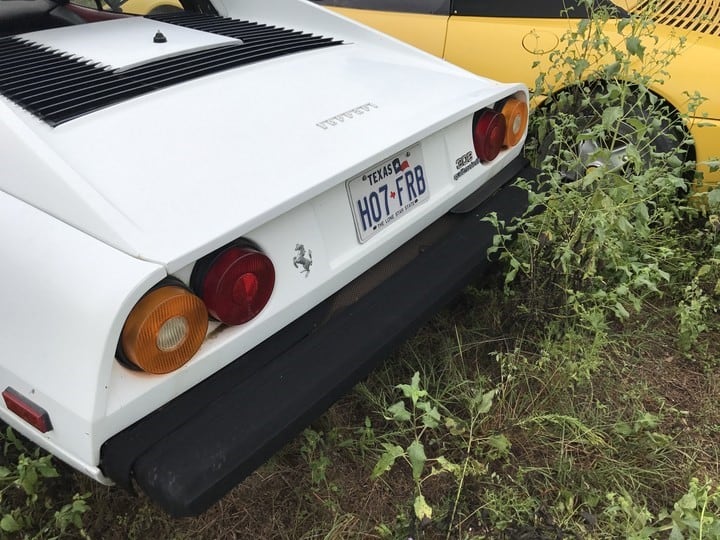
[
  {"x": 164, "y": 329},
  {"x": 515, "y": 112}
]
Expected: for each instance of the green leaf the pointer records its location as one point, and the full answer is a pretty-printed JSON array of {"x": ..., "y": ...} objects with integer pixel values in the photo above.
[
  {"x": 687, "y": 502},
  {"x": 515, "y": 266},
  {"x": 431, "y": 418},
  {"x": 412, "y": 390},
  {"x": 500, "y": 444},
  {"x": 45, "y": 467},
  {"x": 12, "y": 440},
  {"x": 387, "y": 459},
  {"x": 9, "y": 524},
  {"x": 416, "y": 454},
  {"x": 592, "y": 176},
  {"x": 610, "y": 117},
  {"x": 641, "y": 210},
  {"x": 620, "y": 311},
  {"x": 612, "y": 69},
  {"x": 704, "y": 269},
  {"x": 624, "y": 225},
  {"x": 634, "y": 47},
  {"x": 646, "y": 421},
  {"x": 422, "y": 508},
  {"x": 484, "y": 402},
  {"x": 623, "y": 428},
  {"x": 28, "y": 478},
  {"x": 580, "y": 66},
  {"x": 455, "y": 427},
  {"x": 675, "y": 533},
  {"x": 399, "y": 412},
  {"x": 449, "y": 466}
]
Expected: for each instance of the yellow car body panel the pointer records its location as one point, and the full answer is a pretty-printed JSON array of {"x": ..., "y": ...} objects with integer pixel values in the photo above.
[
  {"x": 143, "y": 7},
  {"x": 518, "y": 49},
  {"x": 504, "y": 48},
  {"x": 136, "y": 7},
  {"x": 505, "y": 61},
  {"x": 426, "y": 32},
  {"x": 706, "y": 134}
]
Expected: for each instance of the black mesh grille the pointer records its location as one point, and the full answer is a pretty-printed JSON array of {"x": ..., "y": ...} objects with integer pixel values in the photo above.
[
  {"x": 57, "y": 87},
  {"x": 698, "y": 15}
]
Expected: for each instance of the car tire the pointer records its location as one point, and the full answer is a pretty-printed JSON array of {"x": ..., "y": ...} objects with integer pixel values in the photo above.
[{"x": 596, "y": 126}]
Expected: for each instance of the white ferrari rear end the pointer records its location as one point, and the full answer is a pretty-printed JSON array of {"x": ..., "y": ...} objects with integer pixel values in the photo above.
[{"x": 215, "y": 221}]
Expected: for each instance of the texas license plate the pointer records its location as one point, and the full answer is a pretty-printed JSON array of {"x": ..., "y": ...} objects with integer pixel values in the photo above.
[{"x": 383, "y": 194}]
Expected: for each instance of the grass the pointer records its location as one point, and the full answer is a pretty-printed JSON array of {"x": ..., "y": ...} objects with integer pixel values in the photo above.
[{"x": 631, "y": 417}]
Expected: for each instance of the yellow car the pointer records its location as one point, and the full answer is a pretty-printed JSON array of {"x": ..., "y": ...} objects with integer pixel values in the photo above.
[
  {"x": 134, "y": 7},
  {"x": 514, "y": 40},
  {"x": 151, "y": 7}
]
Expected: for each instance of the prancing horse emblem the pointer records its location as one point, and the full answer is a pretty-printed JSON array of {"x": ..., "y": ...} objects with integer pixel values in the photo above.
[{"x": 301, "y": 260}]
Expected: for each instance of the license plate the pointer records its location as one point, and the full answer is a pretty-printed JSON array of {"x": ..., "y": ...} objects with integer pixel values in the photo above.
[{"x": 383, "y": 194}]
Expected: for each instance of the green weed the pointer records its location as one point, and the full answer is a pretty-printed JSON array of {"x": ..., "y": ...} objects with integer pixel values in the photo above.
[{"x": 27, "y": 502}]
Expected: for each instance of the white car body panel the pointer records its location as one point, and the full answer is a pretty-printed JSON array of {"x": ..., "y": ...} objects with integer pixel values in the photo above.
[
  {"x": 49, "y": 353},
  {"x": 123, "y": 43},
  {"x": 256, "y": 180},
  {"x": 95, "y": 211}
]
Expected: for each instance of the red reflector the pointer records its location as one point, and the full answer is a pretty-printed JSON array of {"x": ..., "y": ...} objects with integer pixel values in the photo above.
[
  {"x": 488, "y": 134},
  {"x": 235, "y": 283},
  {"x": 33, "y": 414}
]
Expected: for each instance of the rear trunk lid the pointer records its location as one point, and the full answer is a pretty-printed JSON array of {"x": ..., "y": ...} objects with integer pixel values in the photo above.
[{"x": 182, "y": 162}]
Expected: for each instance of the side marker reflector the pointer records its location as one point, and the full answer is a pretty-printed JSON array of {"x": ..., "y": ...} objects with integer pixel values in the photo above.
[{"x": 33, "y": 414}]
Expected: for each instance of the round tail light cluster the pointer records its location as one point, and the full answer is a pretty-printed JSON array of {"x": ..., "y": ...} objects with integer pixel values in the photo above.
[
  {"x": 489, "y": 128},
  {"x": 493, "y": 130},
  {"x": 235, "y": 283},
  {"x": 515, "y": 112},
  {"x": 169, "y": 324},
  {"x": 164, "y": 329}
]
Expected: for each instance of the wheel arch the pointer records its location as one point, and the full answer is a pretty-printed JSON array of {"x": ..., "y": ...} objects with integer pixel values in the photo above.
[{"x": 541, "y": 101}]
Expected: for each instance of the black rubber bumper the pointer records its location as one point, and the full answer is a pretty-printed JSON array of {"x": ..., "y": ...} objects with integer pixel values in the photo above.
[{"x": 188, "y": 454}]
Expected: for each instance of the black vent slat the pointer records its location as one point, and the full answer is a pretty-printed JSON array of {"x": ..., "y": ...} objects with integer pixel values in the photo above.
[
  {"x": 43, "y": 67},
  {"x": 58, "y": 87},
  {"x": 25, "y": 61},
  {"x": 130, "y": 78},
  {"x": 54, "y": 82},
  {"x": 47, "y": 74},
  {"x": 148, "y": 80},
  {"x": 157, "y": 76}
]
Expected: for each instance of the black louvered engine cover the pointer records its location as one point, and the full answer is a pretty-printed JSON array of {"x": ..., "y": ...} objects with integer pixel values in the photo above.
[{"x": 58, "y": 87}]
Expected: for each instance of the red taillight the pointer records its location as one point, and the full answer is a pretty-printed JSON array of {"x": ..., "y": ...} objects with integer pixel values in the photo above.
[
  {"x": 488, "y": 134},
  {"x": 235, "y": 283},
  {"x": 33, "y": 414}
]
